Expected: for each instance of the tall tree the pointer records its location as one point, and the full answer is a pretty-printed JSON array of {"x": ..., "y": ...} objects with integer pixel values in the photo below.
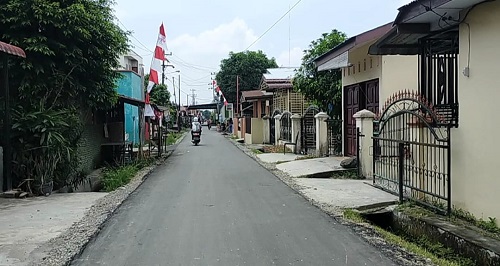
[
  {"x": 323, "y": 87},
  {"x": 249, "y": 66},
  {"x": 160, "y": 94},
  {"x": 71, "y": 48}
]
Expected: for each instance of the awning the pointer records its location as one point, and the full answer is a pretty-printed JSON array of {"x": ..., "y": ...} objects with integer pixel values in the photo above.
[
  {"x": 12, "y": 50},
  {"x": 418, "y": 20}
]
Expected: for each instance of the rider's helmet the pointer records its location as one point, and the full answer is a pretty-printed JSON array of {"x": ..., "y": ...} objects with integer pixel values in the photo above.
[{"x": 195, "y": 119}]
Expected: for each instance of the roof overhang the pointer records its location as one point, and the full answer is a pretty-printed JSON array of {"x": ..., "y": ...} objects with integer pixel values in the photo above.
[
  {"x": 338, "y": 57},
  {"x": 131, "y": 101},
  {"x": 12, "y": 50},
  {"x": 420, "y": 19}
]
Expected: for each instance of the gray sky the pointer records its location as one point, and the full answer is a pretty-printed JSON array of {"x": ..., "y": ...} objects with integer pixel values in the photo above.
[{"x": 201, "y": 33}]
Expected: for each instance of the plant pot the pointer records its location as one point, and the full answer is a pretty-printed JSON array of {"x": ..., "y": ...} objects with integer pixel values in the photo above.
[{"x": 46, "y": 189}]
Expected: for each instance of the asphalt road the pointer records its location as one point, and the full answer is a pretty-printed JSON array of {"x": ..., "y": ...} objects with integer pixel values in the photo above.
[{"x": 214, "y": 205}]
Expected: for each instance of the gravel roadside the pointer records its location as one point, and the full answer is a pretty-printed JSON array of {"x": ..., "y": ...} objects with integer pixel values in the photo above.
[
  {"x": 62, "y": 249},
  {"x": 366, "y": 231}
]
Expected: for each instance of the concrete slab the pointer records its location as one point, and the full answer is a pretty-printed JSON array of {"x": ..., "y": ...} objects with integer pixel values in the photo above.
[
  {"x": 277, "y": 157},
  {"x": 27, "y": 223},
  {"x": 345, "y": 193},
  {"x": 317, "y": 167}
]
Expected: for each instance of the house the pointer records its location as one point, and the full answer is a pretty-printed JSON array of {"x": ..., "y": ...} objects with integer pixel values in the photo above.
[
  {"x": 278, "y": 81},
  {"x": 131, "y": 86},
  {"x": 252, "y": 127},
  {"x": 286, "y": 101},
  {"x": 457, "y": 45},
  {"x": 366, "y": 78}
]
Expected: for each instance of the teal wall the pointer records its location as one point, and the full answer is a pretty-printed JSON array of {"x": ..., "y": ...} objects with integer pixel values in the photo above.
[{"x": 130, "y": 85}]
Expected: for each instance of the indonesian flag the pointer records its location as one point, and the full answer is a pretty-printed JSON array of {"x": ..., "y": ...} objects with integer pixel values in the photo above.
[{"x": 156, "y": 67}]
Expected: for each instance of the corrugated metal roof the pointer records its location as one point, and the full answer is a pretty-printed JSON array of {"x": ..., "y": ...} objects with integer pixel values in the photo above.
[
  {"x": 11, "y": 49},
  {"x": 280, "y": 73}
]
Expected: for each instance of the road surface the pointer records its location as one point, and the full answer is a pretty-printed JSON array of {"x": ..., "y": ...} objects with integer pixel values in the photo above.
[{"x": 214, "y": 205}]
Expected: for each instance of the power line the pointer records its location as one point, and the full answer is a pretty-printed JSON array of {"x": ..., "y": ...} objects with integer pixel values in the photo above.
[
  {"x": 284, "y": 15},
  {"x": 146, "y": 48},
  {"x": 210, "y": 68}
]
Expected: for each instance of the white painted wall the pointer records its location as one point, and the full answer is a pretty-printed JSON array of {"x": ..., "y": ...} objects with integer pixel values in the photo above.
[{"x": 475, "y": 144}]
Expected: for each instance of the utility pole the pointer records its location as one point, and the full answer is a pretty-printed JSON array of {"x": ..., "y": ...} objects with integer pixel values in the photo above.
[
  {"x": 193, "y": 97},
  {"x": 163, "y": 70},
  {"x": 179, "y": 113},
  {"x": 214, "y": 94},
  {"x": 237, "y": 95}
]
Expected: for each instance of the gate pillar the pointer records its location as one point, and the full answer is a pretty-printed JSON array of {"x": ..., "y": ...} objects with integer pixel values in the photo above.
[
  {"x": 296, "y": 130},
  {"x": 321, "y": 134},
  {"x": 364, "y": 121},
  {"x": 266, "y": 129},
  {"x": 277, "y": 129}
]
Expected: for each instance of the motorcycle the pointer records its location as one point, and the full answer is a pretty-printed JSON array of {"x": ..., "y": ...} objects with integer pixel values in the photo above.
[{"x": 196, "y": 137}]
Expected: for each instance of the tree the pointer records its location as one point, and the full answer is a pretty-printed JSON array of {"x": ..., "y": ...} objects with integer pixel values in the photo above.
[
  {"x": 159, "y": 94},
  {"x": 323, "y": 87},
  {"x": 71, "y": 48},
  {"x": 249, "y": 66}
]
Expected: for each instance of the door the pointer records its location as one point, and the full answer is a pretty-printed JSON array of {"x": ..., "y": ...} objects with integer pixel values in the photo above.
[
  {"x": 351, "y": 106},
  {"x": 357, "y": 97}
]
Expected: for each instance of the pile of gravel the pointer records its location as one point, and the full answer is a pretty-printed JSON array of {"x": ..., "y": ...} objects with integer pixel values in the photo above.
[{"x": 366, "y": 231}]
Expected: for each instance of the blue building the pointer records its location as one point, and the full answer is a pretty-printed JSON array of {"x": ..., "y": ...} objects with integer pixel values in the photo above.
[{"x": 130, "y": 85}]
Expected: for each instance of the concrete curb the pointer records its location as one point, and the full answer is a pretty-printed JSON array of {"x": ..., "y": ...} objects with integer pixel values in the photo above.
[
  {"x": 54, "y": 256},
  {"x": 365, "y": 230}
]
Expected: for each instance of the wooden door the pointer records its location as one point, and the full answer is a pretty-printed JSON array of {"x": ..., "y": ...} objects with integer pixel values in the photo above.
[
  {"x": 372, "y": 96},
  {"x": 351, "y": 106}
]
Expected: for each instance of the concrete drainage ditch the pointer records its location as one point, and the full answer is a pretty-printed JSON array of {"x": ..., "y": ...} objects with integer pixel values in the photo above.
[{"x": 464, "y": 245}]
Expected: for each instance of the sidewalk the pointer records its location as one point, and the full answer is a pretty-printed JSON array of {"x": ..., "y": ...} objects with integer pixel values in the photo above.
[
  {"x": 28, "y": 223},
  {"x": 310, "y": 177}
]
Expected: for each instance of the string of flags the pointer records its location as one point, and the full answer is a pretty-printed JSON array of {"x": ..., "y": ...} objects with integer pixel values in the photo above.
[{"x": 219, "y": 91}]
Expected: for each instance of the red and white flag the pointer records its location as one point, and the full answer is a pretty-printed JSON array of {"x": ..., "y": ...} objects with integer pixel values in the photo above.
[{"x": 156, "y": 67}]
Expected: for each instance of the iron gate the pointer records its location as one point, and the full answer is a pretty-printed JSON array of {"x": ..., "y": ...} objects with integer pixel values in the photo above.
[
  {"x": 308, "y": 129},
  {"x": 272, "y": 126},
  {"x": 334, "y": 125},
  {"x": 286, "y": 126},
  {"x": 411, "y": 152}
]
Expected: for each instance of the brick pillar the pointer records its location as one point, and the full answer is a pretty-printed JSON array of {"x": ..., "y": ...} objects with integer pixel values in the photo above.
[
  {"x": 321, "y": 134},
  {"x": 364, "y": 121}
]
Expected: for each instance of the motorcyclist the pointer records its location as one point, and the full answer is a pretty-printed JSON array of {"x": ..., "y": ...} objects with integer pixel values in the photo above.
[{"x": 195, "y": 126}]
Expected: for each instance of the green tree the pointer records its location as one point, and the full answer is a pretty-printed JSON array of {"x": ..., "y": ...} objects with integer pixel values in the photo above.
[
  {"x": 249, "y": 66},
  {"x": 323, "y": 87},
  {"x": 71, "y": 48},
  {"x": 159, "y": 94}
]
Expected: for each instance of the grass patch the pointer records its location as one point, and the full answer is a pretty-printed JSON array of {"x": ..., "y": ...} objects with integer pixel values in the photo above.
[
  {"x": 346, "y": 174},
  {"x": 116, "y": 177},
  {"x": 422, "y": 246},
  {"x": 172, "y": 137},
  {"x": 489, "y": 225},
  {"x": 257, "y": 151},
  {"x": 306, "y": 157},
  {"x": 234, "y": 137}
]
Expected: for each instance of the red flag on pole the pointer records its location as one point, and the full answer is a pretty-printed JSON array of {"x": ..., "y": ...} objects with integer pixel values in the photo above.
[{"x": 156, "y": 67}]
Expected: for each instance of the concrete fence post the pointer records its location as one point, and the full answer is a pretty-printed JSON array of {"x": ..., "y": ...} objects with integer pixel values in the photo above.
[
  {"x": 266, "y": 129},
  {"x": 364, "y": 121},
  {"x": 277, "y": 129},
  {"x": 296, "y": 131},
  {"x": 321, "y": 133}
]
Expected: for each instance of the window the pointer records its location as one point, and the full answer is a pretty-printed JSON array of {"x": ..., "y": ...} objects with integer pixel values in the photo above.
[{"x": 439, "y": 73}]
